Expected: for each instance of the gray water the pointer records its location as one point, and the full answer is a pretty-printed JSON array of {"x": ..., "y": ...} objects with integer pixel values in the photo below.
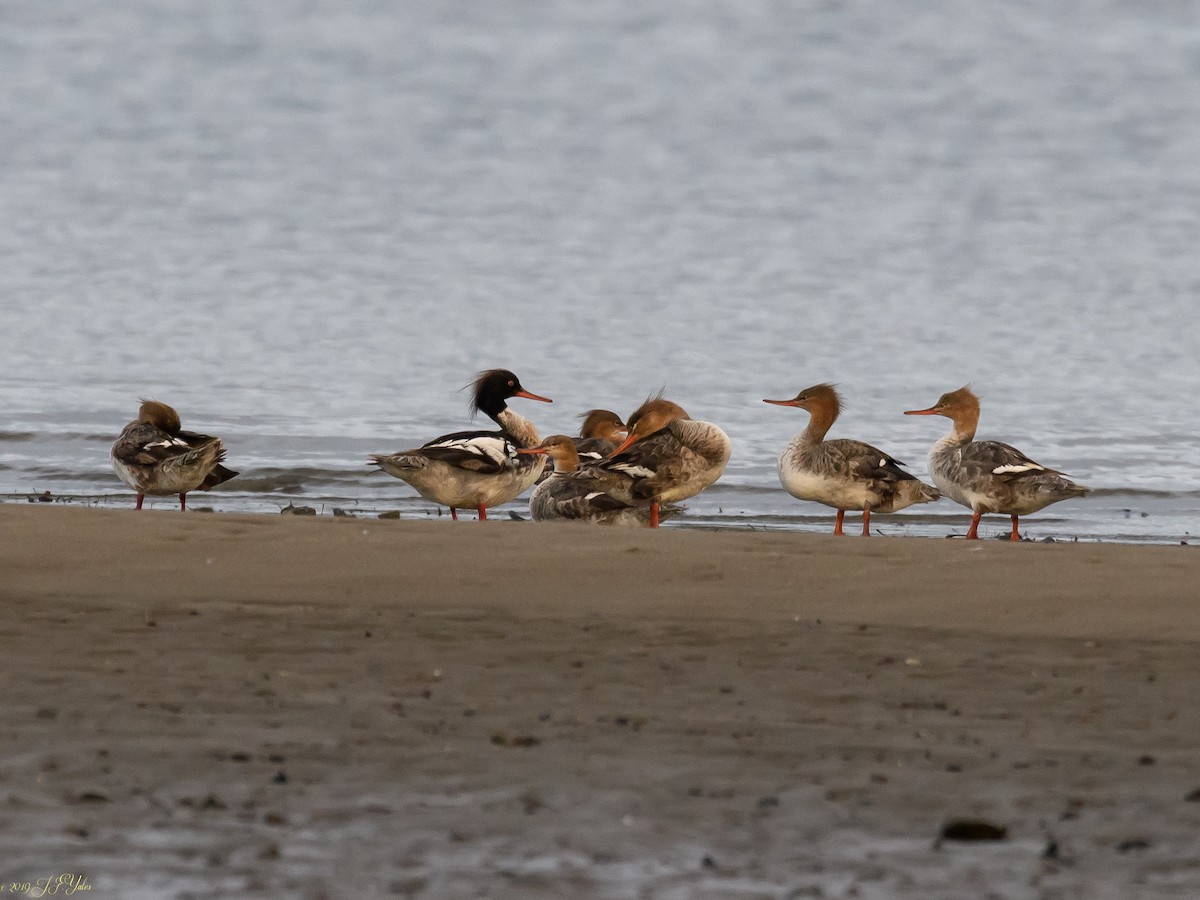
[{"x": 307, "y": 224}]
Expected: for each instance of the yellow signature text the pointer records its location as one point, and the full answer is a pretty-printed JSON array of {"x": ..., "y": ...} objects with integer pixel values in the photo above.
[{"x": 62, "y": 885}]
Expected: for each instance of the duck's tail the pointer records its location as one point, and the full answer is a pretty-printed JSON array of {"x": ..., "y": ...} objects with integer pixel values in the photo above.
[
  {"x": 398, "y": 465},
  {"x": 917, "y": 491},
  {"x": 218, "y": 475}
]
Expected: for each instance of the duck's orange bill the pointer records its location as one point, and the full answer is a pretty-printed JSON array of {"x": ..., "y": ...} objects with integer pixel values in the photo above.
[
  {"x": 781, "y": 402},
  {"x": 533, "y": 451},
  {"x": 529, "y": 396},
  {"x": 932, "y": 411},
  {"x": 625, "y": 445}
]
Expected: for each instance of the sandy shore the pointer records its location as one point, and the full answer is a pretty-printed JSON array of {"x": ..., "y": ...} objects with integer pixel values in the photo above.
[{"x": 201, "y": 705}]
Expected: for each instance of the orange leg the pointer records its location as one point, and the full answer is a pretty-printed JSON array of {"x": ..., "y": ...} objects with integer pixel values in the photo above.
[
  {"x": 141, "y": 497},
  {"x": 653, "y": 513},
  {"x": 866, "y": 523},
  {"x": 837, "y": 526},
  {"x": 482, "y": 512},
  {"x": 973, "y": 531},
  {"x": 1015, "y": 534}
]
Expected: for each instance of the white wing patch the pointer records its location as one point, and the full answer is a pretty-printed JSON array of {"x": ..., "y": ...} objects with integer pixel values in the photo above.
[
  {"x": 593, "y": 495},
  {"x": 1014, "y": 468},
  {"x": 170, "y": 442},
  {"x": 635, "y": 471},
  {"x": 497, "y": 450}
]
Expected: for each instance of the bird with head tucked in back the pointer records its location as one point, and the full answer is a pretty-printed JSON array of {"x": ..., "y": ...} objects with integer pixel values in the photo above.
[
  {"x": 154, "y": 455},
  {"x": 599, "y": 434},
  {"x": 668, "y": 456},
  {"x": 584, "y": 493},
  {"x": 988, "y": 476},
  {"x": 843, "y": 473},
  {"x": 475, "y": 468}
]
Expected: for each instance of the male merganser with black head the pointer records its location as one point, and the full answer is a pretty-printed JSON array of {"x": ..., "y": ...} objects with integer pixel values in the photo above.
[
  {"x": 154, "y": 455},
  {"x": 583, "y": 492},
  {"x": 843, "y": 473},
  {"x": 988, "y": 476},
  {"x": 668, "y": 455},
  {"x": 475, "y": 468}
]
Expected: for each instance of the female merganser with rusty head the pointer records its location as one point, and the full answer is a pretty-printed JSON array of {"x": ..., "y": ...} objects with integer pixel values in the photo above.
[
  {"x": 988, "y": 476},
  {"x": 668, "y": 456},
  {"x": 154, "y": 455},
  {"x": 842, "y": 473},
  {"x": 582, "y": 493},
  {"x": 475, "y": 468},
  {"x": 599, "y": 435}
]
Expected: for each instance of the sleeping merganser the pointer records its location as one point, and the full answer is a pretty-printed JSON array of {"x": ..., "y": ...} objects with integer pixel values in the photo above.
[
  {"x": 668, "y": 456},
  {"x": 602, "y": 430},
  {"x": 843, "y": 473},
  {"x": 582, "y": 493},
  {"x": 155, "y": 456},
  {"x": 988, "y": 476},
  {"x": 475, "y": 468},
  {"x": 599, "y": 435}
]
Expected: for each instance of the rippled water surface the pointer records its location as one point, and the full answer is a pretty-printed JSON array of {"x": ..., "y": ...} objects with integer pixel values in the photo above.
[{"x": 307, "y": 224}]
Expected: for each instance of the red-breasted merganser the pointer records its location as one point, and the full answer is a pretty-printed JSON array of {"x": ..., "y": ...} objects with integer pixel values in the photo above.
[
  {"x": 599, "y": 435},
  {"x": 154, "y": 455},
  {"x": 584, "y": 493},
  {"x": 843, "y": 473},
  {"x": 668, "y": 455},
  {"x": 475, "y": 468},
  {"x": 988, "y": 476}
]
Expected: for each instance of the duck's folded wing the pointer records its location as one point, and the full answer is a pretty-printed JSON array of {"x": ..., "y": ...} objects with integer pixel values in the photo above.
[
  {"x": 648, "y": 457},
  {"x": 194, "y": 439},
  {"x": 867, "y": 462},
  {"x": 593, "y": 450},
  {"x": 1001, "y": 461},
  {"x": 145, "y": 445},
  {"x": 576, "y": 498},
  {"x": 475, "y": 451}
]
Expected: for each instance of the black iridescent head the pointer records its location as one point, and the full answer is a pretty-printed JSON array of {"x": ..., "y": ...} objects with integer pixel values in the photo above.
[{"x": 492, "y": 388}]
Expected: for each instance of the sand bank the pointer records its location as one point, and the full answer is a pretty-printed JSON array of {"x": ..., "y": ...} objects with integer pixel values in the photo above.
[{"x": 210, "y": 706}]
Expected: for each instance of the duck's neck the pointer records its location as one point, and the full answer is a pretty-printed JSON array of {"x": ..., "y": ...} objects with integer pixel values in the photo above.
[
  {"x": 962, "y": 432},
  {"x": 819, "y": 422},
  {"x": 518, "y": 426},
  {"x": 566, "y": 461}
]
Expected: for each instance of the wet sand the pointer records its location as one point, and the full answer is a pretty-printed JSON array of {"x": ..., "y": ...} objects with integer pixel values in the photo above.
[{"x": 204, "y": 705}]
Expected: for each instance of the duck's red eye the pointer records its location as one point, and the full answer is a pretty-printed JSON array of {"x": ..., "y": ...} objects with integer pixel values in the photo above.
[{"x": 512, "y": 384}]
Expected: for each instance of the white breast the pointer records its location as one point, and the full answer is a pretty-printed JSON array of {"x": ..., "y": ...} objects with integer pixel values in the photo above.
[{"x": 838, "y": 493}]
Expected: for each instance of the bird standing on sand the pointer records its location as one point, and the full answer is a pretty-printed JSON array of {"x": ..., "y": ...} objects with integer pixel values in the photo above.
[
  {"x": 583, "y": 493},
  {"x": 667, "y": 456},
  {"x": 475, "y": 468},
  {"x": 153, "y": 455},
  {"x": 843, "y": 473},
  {"x": 988, "y": 476}
]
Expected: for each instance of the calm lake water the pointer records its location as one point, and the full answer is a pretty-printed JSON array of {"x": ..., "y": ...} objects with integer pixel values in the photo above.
[{"x": 307, "y": 224}]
